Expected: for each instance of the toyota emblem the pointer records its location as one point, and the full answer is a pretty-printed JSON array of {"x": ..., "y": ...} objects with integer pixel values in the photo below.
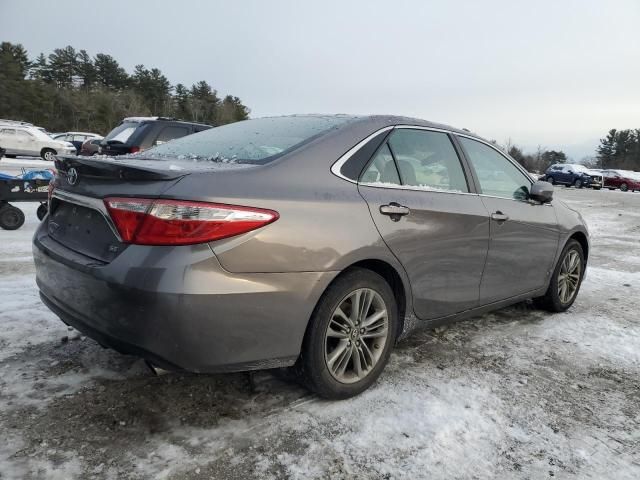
[{"x": 72, "y": 176}]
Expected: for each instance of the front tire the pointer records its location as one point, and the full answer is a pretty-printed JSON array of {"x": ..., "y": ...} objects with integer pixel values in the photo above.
[
  {"x": 551, "y": 180},
  {"x": 624, "y": 187},
  {"x": 48, "y": 154},
  {"x": 566, "y": 279},
  {"x": 350, "y": 335}
]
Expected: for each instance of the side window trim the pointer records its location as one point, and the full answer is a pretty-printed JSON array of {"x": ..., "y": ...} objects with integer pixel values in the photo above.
[{"x": 472, "y": 181}]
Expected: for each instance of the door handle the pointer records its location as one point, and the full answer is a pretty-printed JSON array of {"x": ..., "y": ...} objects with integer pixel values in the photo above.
[
  {"x": 394, "y": 210},
  {"x": 499, "y": 217}
]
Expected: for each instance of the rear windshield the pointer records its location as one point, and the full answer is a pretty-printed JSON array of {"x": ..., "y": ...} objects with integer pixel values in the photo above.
[
  {"x": 122, "y": 132},
  {"x": 256, "y": 141}
]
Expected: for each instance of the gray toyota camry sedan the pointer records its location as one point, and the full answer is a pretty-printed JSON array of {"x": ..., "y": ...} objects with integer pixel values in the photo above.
[{"x": 308, "y": 241}]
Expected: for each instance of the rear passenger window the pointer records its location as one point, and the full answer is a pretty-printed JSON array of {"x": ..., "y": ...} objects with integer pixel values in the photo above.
[
  {"x": 382, "y": 169},
  {"x": 427, "y": 160},
  {"x": 169, "y": 133}
]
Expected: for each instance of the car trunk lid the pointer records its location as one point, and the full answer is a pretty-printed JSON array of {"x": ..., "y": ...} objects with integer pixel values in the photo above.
[{"x": 78, "y": 218}]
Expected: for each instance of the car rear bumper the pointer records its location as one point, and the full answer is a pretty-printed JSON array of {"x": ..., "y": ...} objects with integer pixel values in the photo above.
[{"x": 180, "y": 311}]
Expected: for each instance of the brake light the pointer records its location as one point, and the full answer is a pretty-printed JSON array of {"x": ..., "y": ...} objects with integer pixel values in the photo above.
[
  {"x": 134, "y": 149},
  {"x": 145, "y": 221}
]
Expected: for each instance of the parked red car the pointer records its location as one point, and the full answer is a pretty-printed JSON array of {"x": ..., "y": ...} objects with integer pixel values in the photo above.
[
  {"x": 90, "y": 147},
  {"x": 622, "y": 179}
]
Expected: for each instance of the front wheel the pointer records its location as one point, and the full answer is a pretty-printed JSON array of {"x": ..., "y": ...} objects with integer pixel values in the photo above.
[
  {"x": 48, "y": 154},
  {"x": 551, "y": 180},
  {"x": 350, "y": 336},
  {"x": 624, "y": 187},
  {"x": 566, "y": 279}
]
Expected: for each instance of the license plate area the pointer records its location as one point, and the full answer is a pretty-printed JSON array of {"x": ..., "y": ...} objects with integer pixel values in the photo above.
[{"x": 83, "y": 230}]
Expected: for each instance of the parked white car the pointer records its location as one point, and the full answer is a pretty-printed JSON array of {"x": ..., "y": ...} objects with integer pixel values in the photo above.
[{"x": 31, "y": 141}]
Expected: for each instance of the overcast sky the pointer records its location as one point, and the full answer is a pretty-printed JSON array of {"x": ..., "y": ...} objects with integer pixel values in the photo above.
[{"x": 556, "y": 73}]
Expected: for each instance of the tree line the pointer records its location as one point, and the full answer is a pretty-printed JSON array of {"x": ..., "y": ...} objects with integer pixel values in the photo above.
[
  {"x": 69, "y": 90},
  {"x": 619, "y": 149}
]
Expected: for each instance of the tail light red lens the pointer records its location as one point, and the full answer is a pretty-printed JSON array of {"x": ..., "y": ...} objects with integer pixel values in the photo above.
[
  {"x": 134, "y": 149},
  {"x": 145, "y": 221}
]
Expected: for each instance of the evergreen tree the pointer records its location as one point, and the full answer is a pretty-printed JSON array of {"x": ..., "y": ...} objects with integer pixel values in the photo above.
[
  {"x": 181, "y": 102},
  {"x": 607, "y": 149},
  {"x": 204, "y": 103},
  {"x": 63, "y": 65},
  {"x": 85, "y": 69},
  {"x": 109, "y": 73}
]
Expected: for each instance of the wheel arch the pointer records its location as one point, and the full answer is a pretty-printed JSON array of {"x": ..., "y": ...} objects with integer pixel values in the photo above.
[
  {"x": 393, "y": 278},
  {"x": 44, "y": 149},
  {"x": 399, "y": 286},
  {"x": 581, "y": 238}
]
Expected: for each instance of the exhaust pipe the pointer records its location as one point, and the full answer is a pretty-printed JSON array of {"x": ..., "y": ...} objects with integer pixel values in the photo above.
[{"x": 157, "y": 371}]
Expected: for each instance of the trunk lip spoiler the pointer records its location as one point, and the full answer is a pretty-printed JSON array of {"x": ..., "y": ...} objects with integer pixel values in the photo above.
[
  {"x": 125, "y": 169},
  {"x": 93, "y": 203}
]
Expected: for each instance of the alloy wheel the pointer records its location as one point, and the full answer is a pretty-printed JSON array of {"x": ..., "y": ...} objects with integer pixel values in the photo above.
[
  {"x": 356, "y": 335},
  {"x": 569, "y": 276}
]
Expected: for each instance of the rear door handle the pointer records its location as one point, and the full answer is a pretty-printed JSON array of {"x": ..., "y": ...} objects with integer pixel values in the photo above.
[
  {"x": 394, "y": 210},
  {"x": 499, "y": 217}
]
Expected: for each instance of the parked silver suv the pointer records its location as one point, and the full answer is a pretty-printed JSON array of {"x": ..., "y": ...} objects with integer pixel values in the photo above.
[
  {"x": 27, "y": 140},
  {"x": 307, "y": 241}
]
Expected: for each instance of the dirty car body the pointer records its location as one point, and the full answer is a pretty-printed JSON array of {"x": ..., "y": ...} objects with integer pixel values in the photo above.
[{"x": 448, "y": 247}]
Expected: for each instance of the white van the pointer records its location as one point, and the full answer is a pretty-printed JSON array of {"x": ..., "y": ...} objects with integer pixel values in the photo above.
[{"x": 31, "y": 141}]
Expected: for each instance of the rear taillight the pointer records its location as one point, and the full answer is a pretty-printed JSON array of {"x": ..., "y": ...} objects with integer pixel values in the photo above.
[
  {"x": 145, "y": 221},
  {"x": 134, "y": 149}
]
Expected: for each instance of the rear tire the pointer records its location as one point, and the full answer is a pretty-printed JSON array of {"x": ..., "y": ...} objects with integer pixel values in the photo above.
[
  {"x": 11, "y": 218},
  {"x": 346, "y": 359},
  {"x": 577, "y": 183},
  {"x": 48, "y": 154},
  {"x": 568, "y": 271}
]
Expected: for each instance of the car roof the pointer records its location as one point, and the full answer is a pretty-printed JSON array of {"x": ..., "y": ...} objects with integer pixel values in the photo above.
[
  {"x": 160, "y": 119},
  {"x": 78, "y": 133},
  {"x": 389, "y": 120}
]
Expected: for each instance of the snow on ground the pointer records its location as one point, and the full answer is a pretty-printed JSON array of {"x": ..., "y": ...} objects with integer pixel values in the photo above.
[{"x": 518, "y": 393}]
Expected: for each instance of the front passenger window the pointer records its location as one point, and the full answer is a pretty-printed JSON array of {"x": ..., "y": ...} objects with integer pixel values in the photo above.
[{"x": 498, "y": 177}]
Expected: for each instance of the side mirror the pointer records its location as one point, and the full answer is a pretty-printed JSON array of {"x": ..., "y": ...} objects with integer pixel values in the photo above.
[{"x": 541, "y": 192}]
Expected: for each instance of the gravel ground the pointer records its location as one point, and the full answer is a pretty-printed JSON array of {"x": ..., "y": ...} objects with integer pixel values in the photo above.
[{"x": 514, "y": 394}]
